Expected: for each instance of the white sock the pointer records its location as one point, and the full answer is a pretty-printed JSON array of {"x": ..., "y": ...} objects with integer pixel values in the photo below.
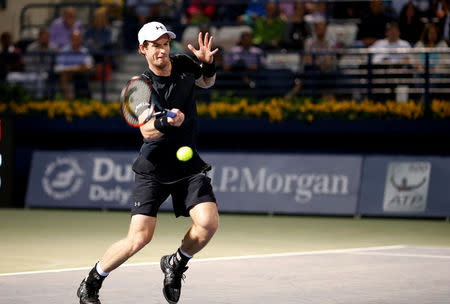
[
  {"x": 100, "y": 270},
  {"x": 185, "y": 254}
]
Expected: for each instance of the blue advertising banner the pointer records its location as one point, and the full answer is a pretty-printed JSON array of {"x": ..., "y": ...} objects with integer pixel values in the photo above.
[
  {"x": 243, "y": 182},
  {"x": 286, "y": 183},
  {"x": 405, "y": 186},
  {"x": 81, "y": 179}
]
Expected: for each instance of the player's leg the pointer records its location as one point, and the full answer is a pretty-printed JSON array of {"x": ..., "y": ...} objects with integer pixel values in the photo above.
[
  {"x": 147, "y": 195},
  {"x": 139, "y": 234},
  {"x": 198, "y": 202},
  {"x": 205, "y": 221}
]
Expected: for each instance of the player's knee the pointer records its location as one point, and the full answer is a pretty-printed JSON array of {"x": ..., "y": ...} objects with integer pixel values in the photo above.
[
  {"x": 210, "y": 225},
  {"x": 213, "y": 224},
  {"x": 140, "y": 240}
]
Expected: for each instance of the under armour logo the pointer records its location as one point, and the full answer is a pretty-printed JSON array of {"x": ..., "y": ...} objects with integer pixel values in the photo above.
[{"x": 158, "y": 27}]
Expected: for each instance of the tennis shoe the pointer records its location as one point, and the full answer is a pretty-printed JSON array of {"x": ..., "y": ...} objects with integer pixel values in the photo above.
[
  {"x": 89, "y": 288},
  {"x": 173, "y": 274}
]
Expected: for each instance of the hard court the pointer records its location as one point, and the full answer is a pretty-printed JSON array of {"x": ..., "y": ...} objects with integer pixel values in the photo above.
[{"x": 391, "y": 274}]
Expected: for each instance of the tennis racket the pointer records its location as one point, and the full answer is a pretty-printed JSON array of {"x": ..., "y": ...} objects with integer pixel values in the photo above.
[{"x": 138, "y": 105}]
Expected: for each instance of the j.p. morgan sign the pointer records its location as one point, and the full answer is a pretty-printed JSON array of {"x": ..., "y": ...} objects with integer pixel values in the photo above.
[{"x": 243, "y": 182}]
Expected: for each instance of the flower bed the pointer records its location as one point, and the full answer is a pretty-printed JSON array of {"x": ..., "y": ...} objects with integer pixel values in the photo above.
[{"x": 274, "y": 110}]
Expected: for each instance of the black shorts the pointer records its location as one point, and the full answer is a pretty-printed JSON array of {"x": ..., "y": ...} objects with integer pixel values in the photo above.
[{"x": 149, "y": 194}]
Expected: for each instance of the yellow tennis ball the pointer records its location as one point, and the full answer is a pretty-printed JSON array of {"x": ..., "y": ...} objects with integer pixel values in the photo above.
[{"x": 184, "y": 153}]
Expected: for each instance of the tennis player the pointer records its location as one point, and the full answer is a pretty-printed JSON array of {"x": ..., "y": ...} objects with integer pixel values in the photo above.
[{"x": 158, "y": 173}]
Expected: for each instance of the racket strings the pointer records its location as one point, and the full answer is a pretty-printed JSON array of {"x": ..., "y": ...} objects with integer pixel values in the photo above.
[{"x": 136, "y": 101}]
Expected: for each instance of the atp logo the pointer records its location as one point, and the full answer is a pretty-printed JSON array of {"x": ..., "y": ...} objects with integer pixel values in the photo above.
[
  {"x": 406, "y": 188},
  {"x": 62, "y": 178}
]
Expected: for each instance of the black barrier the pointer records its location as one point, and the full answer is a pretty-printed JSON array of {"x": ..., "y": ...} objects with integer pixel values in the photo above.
[{"x": 6, "y": 161}]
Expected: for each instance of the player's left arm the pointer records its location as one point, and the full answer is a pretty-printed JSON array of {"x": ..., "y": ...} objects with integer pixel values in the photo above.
[{"x": 206, "y": 56}]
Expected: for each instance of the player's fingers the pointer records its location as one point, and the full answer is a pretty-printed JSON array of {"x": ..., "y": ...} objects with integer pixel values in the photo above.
[
  {"x": 191, "y": 48},
  {"x": 178, "y": 119},
  {"x": 205, "y": 41},
  {"x": 200, "y": 39},
  {"x": 210, "y": 42},
  {"x": 214, "y": 52}
]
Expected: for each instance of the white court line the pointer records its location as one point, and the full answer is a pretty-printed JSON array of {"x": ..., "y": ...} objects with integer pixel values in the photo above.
[
  {"x": 404, "y": 255},
  {"x": 260, "y": 256}
]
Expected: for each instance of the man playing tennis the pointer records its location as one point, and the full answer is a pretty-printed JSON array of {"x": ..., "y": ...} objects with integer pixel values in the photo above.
[{"x": 158, "y": 173}]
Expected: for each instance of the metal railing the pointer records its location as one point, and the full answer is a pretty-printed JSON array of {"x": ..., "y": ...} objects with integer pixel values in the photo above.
[{"x": 354, "y": 75}]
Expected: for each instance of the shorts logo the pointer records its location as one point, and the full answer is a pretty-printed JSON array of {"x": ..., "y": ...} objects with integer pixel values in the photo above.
[
  {"x": 406, "y": 188},
  {"x": 62, "y": 178}
]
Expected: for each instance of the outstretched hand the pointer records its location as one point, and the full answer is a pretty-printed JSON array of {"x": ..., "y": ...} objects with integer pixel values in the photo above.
[{"x": 204, "y": 52}]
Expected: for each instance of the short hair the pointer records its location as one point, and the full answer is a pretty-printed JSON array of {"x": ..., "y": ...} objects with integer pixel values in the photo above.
[{"x": 392, "y": 24}]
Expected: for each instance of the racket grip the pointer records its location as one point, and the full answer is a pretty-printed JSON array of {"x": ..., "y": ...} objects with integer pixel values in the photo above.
[{"x": 170, "y": 114}]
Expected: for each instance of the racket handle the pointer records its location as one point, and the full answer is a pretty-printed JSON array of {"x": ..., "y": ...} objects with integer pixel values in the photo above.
[{"x": 170, "y": 114}]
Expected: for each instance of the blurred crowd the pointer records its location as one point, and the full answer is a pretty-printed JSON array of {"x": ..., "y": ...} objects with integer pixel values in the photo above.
[{"x": 272, "y": 26}]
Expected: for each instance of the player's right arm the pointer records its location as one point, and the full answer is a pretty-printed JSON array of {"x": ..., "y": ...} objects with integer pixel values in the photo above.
[{"x": 156, "y": 127}]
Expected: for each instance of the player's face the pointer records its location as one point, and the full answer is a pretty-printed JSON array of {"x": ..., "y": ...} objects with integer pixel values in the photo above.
[{"x": 157, "y": 52}]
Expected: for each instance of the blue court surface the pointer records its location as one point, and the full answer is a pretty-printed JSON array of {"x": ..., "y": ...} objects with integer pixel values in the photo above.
[{"x": 369, "y": 275}]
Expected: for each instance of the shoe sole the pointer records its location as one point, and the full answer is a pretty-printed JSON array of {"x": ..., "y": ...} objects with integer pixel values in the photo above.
[{"x": 169, "y": 301}]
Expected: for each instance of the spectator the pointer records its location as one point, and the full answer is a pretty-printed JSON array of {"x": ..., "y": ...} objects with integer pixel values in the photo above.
[
  {"x": 422, "y": 6},
  {"x": 431, "y": 38},
  {"x": 286, "y": 10},
  {"x": 39, "y": 57},
  {"x": 392, "y": 41},
  {"x": 98, "y": 35},
  {"x": 373, "y": 24},
  {"x": 316, "y": 11},
  {"x": 142, "y": 10},
  {"x": 349, "y": 9},
  {"x": 230, "y": 11},
  {"x": 62, "y": 27},
  {"x": 409, "y": 23},
  {"x": 200, "y": 12},
  {"x": 438, "y": 62},
  {"x": 74, "y": 64},
  {"x": 39, "y": 62},
  {"x": 443, "y": 15},
  {"x": 320, "y": 68},
  {"x": 254, "y": 11},
  {"x": 396, "y": 64},
  {"x": 245, "y": 58},
  {"x": 10, "y": 56},
  {"x": 319, "y": 43},
  {"x": 296, "y": 30},
  {"x": 269, "y": 30},
  {"x": 139, "y": 12}
]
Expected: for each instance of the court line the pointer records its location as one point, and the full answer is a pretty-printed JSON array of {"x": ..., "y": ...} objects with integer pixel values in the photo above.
[
  {"x": 260, "y": 256},
  {"x": 405, "y": 255}
]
